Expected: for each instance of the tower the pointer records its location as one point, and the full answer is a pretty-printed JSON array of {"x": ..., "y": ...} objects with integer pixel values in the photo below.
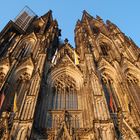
[{"x": 52, "y": 91}]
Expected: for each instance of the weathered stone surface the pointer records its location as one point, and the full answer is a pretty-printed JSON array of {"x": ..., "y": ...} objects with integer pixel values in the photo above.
[{"x": 51, "y": 91}]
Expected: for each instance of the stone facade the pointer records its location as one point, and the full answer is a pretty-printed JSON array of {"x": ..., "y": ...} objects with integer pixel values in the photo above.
[{"x": 52, "y": 91}]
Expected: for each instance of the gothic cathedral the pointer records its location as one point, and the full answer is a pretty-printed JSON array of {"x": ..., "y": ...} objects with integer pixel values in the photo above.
[{"x": 52, "y": 91}]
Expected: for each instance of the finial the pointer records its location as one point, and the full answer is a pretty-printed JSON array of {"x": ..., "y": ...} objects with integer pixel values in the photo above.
[
  {"x": 84, "y": 11},
  {"x": 66, "y": 40},
  {"x": 98, "y": 18},
  {"x": 108, "y": 22}
]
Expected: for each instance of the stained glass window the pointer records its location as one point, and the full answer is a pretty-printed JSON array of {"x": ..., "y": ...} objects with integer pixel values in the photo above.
[{"x": 65, "y": 94}]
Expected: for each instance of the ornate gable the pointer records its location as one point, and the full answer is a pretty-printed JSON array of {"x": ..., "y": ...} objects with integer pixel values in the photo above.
[
  {"x": 5, "y": 61},
  {"x": 128, "y": 67},
  {"x": 126, "y": 64},
  {"x": 107, "y": 68},
  {"x": 25, "y": 69},
  {"x": 31, "y": 36},
  {"x": 66, "y": 61},
  {"x": 4, "y": 68},
  {"x": 26, "y": 61},
  {"x": 65, "y": 56},
  {"x": 103, "y": 38},
  {"x": 104, "y": 64}
]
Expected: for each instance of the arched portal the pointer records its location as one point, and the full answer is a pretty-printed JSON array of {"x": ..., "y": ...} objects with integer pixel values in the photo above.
[{"x": 64, "y": 95}]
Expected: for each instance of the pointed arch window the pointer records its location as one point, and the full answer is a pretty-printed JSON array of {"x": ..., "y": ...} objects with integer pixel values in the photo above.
[
  {"x": 110, "y": 94},
  {"x": 134, "y": 87},
  {"x": 95, "y": 30},
  {"x": 24, "y": 48},
  {"x": 64, "y": 94},
  {"x": 104, "y": 49}
]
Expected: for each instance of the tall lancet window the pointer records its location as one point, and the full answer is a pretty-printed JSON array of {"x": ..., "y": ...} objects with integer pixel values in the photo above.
[
  {"x": 24, "y": 49},
  {"x": 64, "y": 94},
  {"x": 104, "y": 49},
  {"x": 134, "y": 86},
  {"x": 110, "y": 93}
]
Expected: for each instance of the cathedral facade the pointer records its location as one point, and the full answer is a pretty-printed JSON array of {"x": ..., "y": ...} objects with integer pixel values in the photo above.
[{"x": 52, "y": 91}]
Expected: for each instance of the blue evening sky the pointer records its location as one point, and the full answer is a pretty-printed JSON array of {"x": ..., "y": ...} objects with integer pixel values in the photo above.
[{"x": 124, "y": 13}]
